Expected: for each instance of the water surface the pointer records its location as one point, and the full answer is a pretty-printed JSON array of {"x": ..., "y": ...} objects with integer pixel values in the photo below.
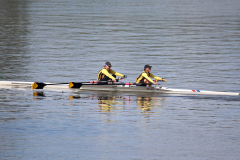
[{"x": 194, "y": 45}]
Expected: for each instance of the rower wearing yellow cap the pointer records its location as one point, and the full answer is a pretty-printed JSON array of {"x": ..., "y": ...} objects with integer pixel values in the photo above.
[
  {"x": 144, "y": 77},
  {"x": 104, "y": 74}
]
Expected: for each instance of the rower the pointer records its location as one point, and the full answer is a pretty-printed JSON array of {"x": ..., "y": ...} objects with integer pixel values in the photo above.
[
  {"x": 104, "y": 74},
  {"x": 144, "y": 77}
]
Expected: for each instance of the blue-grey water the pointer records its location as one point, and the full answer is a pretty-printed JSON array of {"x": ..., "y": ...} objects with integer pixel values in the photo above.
[{"x": 193, "y": 44}]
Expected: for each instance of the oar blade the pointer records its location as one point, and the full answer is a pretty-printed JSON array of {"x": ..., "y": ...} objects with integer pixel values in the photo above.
[
  {"x": 37, "y": 85},
  {"x": 75, "y": 85}
]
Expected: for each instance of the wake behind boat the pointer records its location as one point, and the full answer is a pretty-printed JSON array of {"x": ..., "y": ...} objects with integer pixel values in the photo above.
[{"x": 124, "y": 87}]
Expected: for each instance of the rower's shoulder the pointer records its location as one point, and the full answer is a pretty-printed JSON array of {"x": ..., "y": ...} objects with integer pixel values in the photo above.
[
  {"x": 103, "y": 69},
  {"x": 151, "y": 74},
  {"x": 144, "y": 73},
  {"x": 111, "y": 70}
]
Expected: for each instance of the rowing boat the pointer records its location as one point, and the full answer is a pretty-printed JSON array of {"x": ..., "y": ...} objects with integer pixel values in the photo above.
[
  {"x": 124, "y": 87},
  {"x": 158, "y": 89}
]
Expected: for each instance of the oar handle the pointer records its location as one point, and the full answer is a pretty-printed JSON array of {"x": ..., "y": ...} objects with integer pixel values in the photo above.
[
  {"x": 117, "y": 80},
  {"x": 160, "y": 80},
  {"x": 138, "y": 83}
]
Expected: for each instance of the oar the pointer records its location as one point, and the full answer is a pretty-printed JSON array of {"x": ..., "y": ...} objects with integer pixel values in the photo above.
[
  {"x": 79, "y": 84},
  {"x": 40, "y": 85},
  {"x": 143, "y": 83}
]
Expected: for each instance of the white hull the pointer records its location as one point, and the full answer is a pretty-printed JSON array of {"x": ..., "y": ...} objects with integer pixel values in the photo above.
[
  {"x": 123, "y": 88},
  {"x": 162, "y": 90}
]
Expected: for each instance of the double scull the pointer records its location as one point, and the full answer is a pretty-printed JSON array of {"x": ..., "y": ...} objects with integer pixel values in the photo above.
[{"x": 124, "y": 87}]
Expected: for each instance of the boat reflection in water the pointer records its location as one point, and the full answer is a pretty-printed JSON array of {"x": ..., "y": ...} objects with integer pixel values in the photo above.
[{"x": 108, "y": 101}]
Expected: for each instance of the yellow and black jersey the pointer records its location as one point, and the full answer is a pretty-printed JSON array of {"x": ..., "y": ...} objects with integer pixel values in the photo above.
[
  {"x": 104, "y": 72},
  {"x": 145, "y": 75}
]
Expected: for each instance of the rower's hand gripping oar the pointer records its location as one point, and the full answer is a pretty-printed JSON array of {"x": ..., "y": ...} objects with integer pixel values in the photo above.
[{"x": 155, "y": 81}]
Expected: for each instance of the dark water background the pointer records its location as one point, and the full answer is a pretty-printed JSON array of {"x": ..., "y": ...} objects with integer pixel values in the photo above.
[{"x": 193, "y": 44}]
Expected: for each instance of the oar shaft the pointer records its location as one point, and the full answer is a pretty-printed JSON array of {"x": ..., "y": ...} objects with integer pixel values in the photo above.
[
  {"x": 138, "y": 83},
  {"x": 41, "y": 85},
  {"x": 67, "y": 83},
  {"x": 78, "y": 85}
]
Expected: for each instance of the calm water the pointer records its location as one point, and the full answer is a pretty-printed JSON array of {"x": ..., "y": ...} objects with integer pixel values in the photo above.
[{"x": 194, "y": 45}]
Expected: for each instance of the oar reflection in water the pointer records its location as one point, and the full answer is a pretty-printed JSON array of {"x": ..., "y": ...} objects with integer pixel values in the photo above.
[{"x": 38, "y": 95}]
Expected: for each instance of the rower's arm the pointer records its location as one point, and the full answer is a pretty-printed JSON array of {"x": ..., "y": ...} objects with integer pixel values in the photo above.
[
  {"x": 155, "y": 77},
  {"x": 107, "y": 74},
  {"x": 116, "y": 73},
  {"x": 146, "y": 76}
]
